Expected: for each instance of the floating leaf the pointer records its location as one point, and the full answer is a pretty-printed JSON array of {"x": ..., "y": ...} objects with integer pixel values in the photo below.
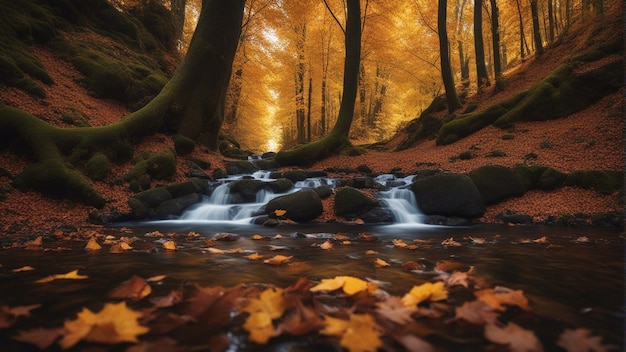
[
  {"x": 270, "y": 305},
  {"x": 450, "y": 242},
  {"x": 423, "y": 292},
  {"x": 9, "y": 315},
  {"x": 24, "y": 268},
  {"x": 134, "y": 288},
  {"x": 326, "y": 245},
  {"x": 370, "y": 252},
  {"x": 476, "y": 312},
  {"x": 72, "y": 275},
  {"x": 581, "y": 340},
  {"x": 351, "y": 285},
  {"x": 40, "y": 337},
  {"x": 215, "y": 250},
  {"x": 399, "y": 243},
  {"x": 380, "y": 263},
  {"x": 278, "y": 259},
  {"x": 394, "y": 310},
  {"x": 542, "y": 239},
  {"x": 255, "y": 256},
  {"x": 115, "y": 323},
  {"x": 170, "y": 245},
  {"x": 497, "y": 296},
  {"x": 477, "y": 240},
  {"x": 93, "y": 245}
]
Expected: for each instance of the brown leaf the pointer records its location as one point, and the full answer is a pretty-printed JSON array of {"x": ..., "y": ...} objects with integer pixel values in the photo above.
[
  {"x": 9, "y": 315},
  {"x": 476, "y": 312},
  {"x": 394, "y": 310},
  {"x": 517, "y": 338},
  {"x": 450, "y": 242},
  {"x": 326, "y": 245},
  {"x": 93, "y": 245},
  {"x": 497, "y": 296},
  {"x": 379, "y": 263},
  {"x": 581, "y": 340},
  {"x": 278, "y": 259},
  {"x": 301, "y": 320},
  {"x": 40, "y": 337},
  {"x": 24, "y": 268},
  {"x": 172, "y": 298},
  {"x": 134, "y": 289},
  {"x": 72, "y": 275},
  {"x": 170, "y": 245}
]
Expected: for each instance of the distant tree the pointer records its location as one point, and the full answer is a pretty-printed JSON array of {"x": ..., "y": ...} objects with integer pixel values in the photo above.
[
  {"x": 446, "y": 70},
  {"x": 536, "y": 31},
  {"x": 495, "y": 37},
  {"x": 479, "y": 46},
  {"x": 338, "y": 137}
]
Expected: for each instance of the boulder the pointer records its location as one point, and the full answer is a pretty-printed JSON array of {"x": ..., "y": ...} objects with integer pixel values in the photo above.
[
  {"x": 377, "y": 215},
  {"x": 496, "y": 183},
  {"x": 176, "y": 206},
  {"x": 238, "y": 167},
  {"x": 448, "y": 194},
  {"x": 245, "y": 190},
  {"x": 351, "y": 201},
  {"x": 280, "y": 185},
  {"x": 295, "y": 175},
  {"x": 153, "y": 197},
  {"x": 301, "y": 206}
]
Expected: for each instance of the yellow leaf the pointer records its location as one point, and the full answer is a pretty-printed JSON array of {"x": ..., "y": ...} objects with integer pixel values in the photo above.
[
  {"x": 399, "y": 243},
  {"x": 215, "y": 250},
  {"x": 277, "y": 259},
  {"x": 351, "y": 285},
  {"x": 328, "y": 285},
  {"x": 370, "y": 252},
  {"x": 380, "y": 263},
  {"x": 125, "y": 246},
  {"x": 423, "y": 292},
  {"x": 359, "y": 333},
  {"x": 270, "y": 305},
  {"x": 93, "y": 245},
  {"x": 115, "y": 323},
  {"x": 280, "y": 212},
  {"x": 24, "y": 268},
  {"x": 72, "y": 275},
  {"x": 170, "y": 245},
  {"x": 260, "y": 327},
  {"x": 255, "y": 256}
]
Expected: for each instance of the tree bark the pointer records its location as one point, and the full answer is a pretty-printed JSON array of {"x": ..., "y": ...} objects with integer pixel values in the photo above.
[
  {"x": 446, "y": 70},
  {"x": 479, "y": 46},
  {"x": 536, "y": 31},
  {"x": 495, "y": 37},
  {"x": 338, "y": 137}
]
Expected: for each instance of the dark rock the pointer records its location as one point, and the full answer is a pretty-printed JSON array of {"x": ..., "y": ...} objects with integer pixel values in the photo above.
[
  {"x": 301, "y": 206},
  {"x": 449, "y": 194},
  {"x": 219, "y": 173},
  {"x": 266, "y": 164},
  {"x": 324, "y": 191},
  {"x": 187, "y": 187},
  {"x": 245, "y": 190},
  {"x": 97, "y": 217},
  {"x": 550, "y": 179},
  {"x": 511, "y": 217},
  {"x": 377, "y": 215},
  {"x": 496, "y": 183},
  {"x": 351, "y": 201},
  {"x": 364, "y": 169},
  {"x": 271, "y": 222},
  {"x": 280, "y": 185},
  {"x": 446, "y": 220},
  {"x": 362, "y": 182},
  {"x": 295, "y": 175},
  {"x": 239, "y": 167},
  {"x": 175, "y": 207},
  {"x": 153, "y": 197},
  {"x": 139, "y": 209}
]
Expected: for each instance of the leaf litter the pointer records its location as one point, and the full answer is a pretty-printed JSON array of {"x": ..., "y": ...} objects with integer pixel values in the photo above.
[{"x": 355, "y": 313}]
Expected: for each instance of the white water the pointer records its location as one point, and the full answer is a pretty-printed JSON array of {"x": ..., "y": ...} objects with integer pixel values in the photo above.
[{"x": 219, "y": 207}]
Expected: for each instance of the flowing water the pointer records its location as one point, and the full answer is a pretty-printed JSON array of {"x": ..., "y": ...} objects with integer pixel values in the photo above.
[{"x": 574, "y": 278}]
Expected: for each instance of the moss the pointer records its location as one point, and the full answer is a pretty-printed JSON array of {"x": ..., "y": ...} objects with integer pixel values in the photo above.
[
  {"x": 529, "y": 175},
  {"x": 31, "y": 87},
  {"x": 508, "y": 136},
  {"x": 496, "y": 153},
  {"x": 604, "y": 182},
  {"x": 497, "y": 183},
  {"x": 98, "y": 167},
  {"x": 467, "y": 155},
  {"x": 204, "y": 165},
  {"x": 182, "y": 144}
]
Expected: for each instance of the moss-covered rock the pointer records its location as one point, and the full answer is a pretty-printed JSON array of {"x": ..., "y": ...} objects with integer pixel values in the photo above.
[
  {"x": 98, "y": 167},
  {"x": 183, "y": 145},
  {"x": 550, "y": 179},
  {"x": 239, "y": 167},
  {"x": 295, "y": 175},
  {"x": 496, "y": 183},
  {"x": 351, "y": 201},
  {"x": 280, "y": 185},
  {"x": 245, "y": 191},
  {"x": 161, "y": 166},
  {"x": 448, "y": 194},
  {"x": 605, "y": 182}
]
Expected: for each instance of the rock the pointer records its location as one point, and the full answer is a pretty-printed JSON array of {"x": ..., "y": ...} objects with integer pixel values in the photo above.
[
  {"x": 324, "y": 191},
  {"x": 362, "y": 182},
  {"x": 245, "y": 190},
  {"x": 350, "y": 201},
  {"x": 301, "y": 206},
  {"x": 377, "y": 215},
  {"x": 448, "y": 194},
  {"x": 153, "y": 197},
  {"x": 446, "y": 220},
  {"x": 496, "y": 183},
  {"x": 551, "y": 179},
  {"x": 176, "y": 206},
  {"x": 280, "y": 185},
  {"x": 295, "y": 175},
  {"x": 239, "y": 167},
  {"x": 511, "y": 217},
  {"x": 187, "y": 187}
]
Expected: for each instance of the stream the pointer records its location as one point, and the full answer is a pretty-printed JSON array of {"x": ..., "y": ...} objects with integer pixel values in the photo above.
[{"x": 573, "y": 278}]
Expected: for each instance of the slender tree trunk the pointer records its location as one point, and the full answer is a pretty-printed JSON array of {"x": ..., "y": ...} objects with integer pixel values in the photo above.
[
  {"x": 308, "y": 110},
  {"x": 495, "y": 37},
  {"x": 463, "y": 59},
  {"x": 536, "y": 31},
  {"x": 234, "y": 95},
  {"x": 299, "y": 81},
  {"x": 479, "y": 46},
  {"x": 446, "y": 70}
]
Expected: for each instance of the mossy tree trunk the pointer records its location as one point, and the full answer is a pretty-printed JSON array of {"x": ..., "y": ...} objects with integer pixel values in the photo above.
[
  {"x": 338, "y": 138},
  {"x": 191, "y": 103}
]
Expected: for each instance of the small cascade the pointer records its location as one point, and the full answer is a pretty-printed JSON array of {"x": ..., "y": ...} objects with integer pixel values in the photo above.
[{"x": 400, "y": 200}]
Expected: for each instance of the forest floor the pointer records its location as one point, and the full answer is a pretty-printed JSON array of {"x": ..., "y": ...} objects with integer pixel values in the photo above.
[{"x": 591, "y": 139}]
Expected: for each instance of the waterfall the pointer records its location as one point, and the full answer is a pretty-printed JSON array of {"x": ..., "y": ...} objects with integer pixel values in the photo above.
[{"x": 402, "y": 204}]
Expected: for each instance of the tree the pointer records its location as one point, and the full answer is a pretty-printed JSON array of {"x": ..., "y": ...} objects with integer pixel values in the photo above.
[
  {"x": 338, "y": 137},
  {"x": 536, "y": 32},
  {"x": 191, "y": 104},
  {"x": 495, "y": 37},
  {"x": 446, "y": 70},
  {"x": 479, "y": 46}
]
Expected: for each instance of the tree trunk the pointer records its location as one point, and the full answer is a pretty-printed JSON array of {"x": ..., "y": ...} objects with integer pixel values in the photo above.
[
  {"x": 522, "y": 36},
  {"x": 536, "y": 31},
  {"x": 495, "y": 37},
  {"x": 479, "y": 46},
  {"x": 446, "y": 70},
  {"x": 299, "y": 81},
  {"x": 191, "y": 103},
  {"x": 337, "y": 139},
  {"x": 308, "y": 110},
  {"x": 178, "y": 10}
]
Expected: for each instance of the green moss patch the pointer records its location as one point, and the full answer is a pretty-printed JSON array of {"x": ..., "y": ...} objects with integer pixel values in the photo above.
[
  {"x": 98, "y": 167},
  {"x": 605, "y": 182}
]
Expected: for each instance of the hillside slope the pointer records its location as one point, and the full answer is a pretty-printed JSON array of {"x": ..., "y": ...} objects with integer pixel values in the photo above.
[{"x": 590, "y": 139}]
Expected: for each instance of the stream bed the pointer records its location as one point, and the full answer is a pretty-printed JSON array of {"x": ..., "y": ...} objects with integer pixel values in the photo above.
[{"x": 573, "y": 278}]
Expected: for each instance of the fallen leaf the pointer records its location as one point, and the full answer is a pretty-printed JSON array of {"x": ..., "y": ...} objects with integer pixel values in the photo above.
[
  {"x": 542, "y": 239},
  {"x": 414, "y": 344},
  {"x": 326, "y": 245},
  {"x": 280, "y": 212},
  {"x": 457, "y": 278},
  {"x": 215, "y": 250},
  {"x": 9, "y": 315},
  {"x": 269, "y": 306},
  {"x": 301, "y": 320},
  {"x": 24, "y": 268},
  {"x": 476, "y": 312},
  {"x": 448, "y": 265},
  {"x": 496, "y": 297},
  {"x": 380, "y": 263},
  {"x": 393, "y": 309},
  {"x": 450, "y": 242},
  {"x": 277, "y": 248},
  {"x": 477, "y": 240},
  {"x": 423, "y": 292},
  {"x": 72, "y": 275},
  {"x": 278, "y": 259},
  {"x": 350, "y": 285},
  {"x": 329, "y": 285},
  {"x": 115, "y": 323},
  {"x": 366, "y": 237},
  {"x": 93, "y": 245},
  {"x": 581, "y": 340},
  {"x": 359, "y": 333},
  {"x": 40, "y": 337},
  {"x": 582, "y": 239},
  {"x": 171, "y": 299},
  {"x": 399, "y": 243},
  {"x": 255, "y": 256},
  {"x": 370, "y": 252},
  {"x": 156, "y": 278},
  {"x": 517, "y": 338},
  {"x": 259, "y": 237},
  {"x": 170, "y": 245},
  {"x": 411, "y": 265},
  {"x": 134, "y": 289}
]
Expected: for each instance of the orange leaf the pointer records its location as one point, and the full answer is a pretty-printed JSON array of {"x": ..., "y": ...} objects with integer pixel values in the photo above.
[
  {"x": 278, "y": 259},
  {"x": 93, "y": 245},
  {"x": 72, "y": 275}
]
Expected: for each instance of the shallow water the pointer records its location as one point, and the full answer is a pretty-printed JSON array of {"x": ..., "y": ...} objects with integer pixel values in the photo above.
[{"x": 569, "y": 283}]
